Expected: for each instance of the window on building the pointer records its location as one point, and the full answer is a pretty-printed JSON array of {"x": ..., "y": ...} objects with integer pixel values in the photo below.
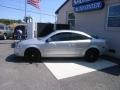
[
  {"x": 114, "y": 16},
  {"x": 71, "y": 20}
]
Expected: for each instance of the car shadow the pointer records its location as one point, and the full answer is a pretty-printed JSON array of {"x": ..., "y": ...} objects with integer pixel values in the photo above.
[
  {"x": 62, "y": 59},
  {"x": 113, "y": 69},
  {"x": 15, "y": 59}
]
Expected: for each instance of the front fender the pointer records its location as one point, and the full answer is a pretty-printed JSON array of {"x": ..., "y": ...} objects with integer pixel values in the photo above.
[{"x": 32, "y": 46}]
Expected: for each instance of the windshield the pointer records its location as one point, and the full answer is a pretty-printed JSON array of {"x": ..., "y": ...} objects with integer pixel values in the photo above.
[{"x": 39, "y": 38}]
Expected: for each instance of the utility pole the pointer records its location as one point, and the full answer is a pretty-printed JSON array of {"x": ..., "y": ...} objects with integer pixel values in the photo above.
[{"x": 55, "y": 24}]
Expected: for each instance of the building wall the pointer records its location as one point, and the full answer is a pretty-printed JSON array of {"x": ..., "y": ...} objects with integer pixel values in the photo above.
[
  {"x": 95, "y": 23},
  {"x": 62, "y": 16}
]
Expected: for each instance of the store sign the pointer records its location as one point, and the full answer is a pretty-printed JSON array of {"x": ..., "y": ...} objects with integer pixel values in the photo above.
[
  {"x": 78, "y": 2},
  {"x": 87, "y": 5}
]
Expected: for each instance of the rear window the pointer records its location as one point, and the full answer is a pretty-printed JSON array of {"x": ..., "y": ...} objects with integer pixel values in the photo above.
[{"x": 1, "y": 27}]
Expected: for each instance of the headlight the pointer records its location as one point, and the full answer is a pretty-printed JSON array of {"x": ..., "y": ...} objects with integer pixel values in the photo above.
[{"x": 18, "y": 45}]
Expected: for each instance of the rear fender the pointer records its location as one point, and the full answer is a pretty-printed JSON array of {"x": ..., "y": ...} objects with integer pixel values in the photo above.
[{"x": 84, "y": 52}]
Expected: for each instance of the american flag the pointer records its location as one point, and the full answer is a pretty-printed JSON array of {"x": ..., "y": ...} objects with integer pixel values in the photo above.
[{"x": 34, "y": 3}]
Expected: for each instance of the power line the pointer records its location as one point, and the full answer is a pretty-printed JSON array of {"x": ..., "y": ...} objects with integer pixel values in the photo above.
[
  {"x": 20, "y": 3},
  {"x": 27, "y": 10}
]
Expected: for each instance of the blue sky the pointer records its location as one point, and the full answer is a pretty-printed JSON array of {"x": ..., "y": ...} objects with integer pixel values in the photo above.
[{"x": 46, "y": 7}]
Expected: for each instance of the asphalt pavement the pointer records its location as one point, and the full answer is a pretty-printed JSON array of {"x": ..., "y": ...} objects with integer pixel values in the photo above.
[{"x": 55, "y": 73}]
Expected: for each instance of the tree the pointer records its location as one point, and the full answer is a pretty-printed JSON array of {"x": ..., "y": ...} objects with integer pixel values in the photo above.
[{"x": 9, "y": 21}]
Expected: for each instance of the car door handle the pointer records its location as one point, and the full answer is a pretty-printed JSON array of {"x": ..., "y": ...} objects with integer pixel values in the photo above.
[{"x": 53, "y": 43}]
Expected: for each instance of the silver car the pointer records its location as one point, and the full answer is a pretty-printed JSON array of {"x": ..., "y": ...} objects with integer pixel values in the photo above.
[{"x": 62, "y": 43}]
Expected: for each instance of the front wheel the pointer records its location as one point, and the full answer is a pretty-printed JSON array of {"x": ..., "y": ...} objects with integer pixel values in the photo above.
[
  {"x": 32, "y": 55},
  {"x": 92, "y": 55}
]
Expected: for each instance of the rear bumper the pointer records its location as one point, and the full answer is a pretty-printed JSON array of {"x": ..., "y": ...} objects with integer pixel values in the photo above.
[{"x": 103, "y": 50}]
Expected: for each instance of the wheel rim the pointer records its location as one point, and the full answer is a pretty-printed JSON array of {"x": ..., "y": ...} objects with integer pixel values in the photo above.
[
  {"x": 92, "y": 56},
  {"x": 32, "y": 55}
]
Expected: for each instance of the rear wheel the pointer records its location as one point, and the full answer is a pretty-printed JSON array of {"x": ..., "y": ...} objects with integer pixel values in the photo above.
[
  {"x": 92, "y": 55},
  {"x": 32, "y": 54}
]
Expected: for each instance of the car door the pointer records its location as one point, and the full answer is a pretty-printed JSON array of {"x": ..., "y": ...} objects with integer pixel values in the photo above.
[
  {"x": 58, "y": 45},
  {"x": 79, "y": 43}
]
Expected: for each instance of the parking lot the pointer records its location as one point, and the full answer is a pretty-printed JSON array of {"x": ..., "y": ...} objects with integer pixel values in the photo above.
[{"x": 55, "y": 73}]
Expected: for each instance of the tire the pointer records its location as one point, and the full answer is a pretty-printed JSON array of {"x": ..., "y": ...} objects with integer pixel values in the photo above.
[
  {"x": 92, "y": 55},
  {"x": 32, "y": 54},
  {"x": 5, "y": 36}
]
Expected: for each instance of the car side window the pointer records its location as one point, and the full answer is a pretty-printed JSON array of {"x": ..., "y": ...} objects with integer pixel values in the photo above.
[
  {"x": 75, "y": 36},
  {"x": 60, "y": 37},
  {"x": 67, "y": 36}
]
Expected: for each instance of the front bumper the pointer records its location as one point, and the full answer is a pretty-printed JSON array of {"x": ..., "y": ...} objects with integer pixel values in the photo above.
[{"x": 18, "y": 51}]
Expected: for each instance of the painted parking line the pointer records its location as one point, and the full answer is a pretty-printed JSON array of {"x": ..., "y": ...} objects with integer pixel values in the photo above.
[{"x": 63, "y": 70}]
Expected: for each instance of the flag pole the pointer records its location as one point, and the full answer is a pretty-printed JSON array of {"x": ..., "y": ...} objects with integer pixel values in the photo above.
[
  {"x": 25, "y": 19},
  {"x": 40, "y": 14},
  {"x": 25, "y": 10}
]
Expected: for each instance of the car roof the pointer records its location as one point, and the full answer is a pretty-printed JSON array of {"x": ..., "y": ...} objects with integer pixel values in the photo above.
[{"x": 72, "y": 31}]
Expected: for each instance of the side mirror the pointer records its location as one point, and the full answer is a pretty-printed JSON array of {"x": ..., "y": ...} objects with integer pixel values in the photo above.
[{"x": 48, "y": 40}]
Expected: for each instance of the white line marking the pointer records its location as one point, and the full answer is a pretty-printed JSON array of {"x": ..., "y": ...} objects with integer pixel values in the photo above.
[{"x": 63, "y": 70}]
